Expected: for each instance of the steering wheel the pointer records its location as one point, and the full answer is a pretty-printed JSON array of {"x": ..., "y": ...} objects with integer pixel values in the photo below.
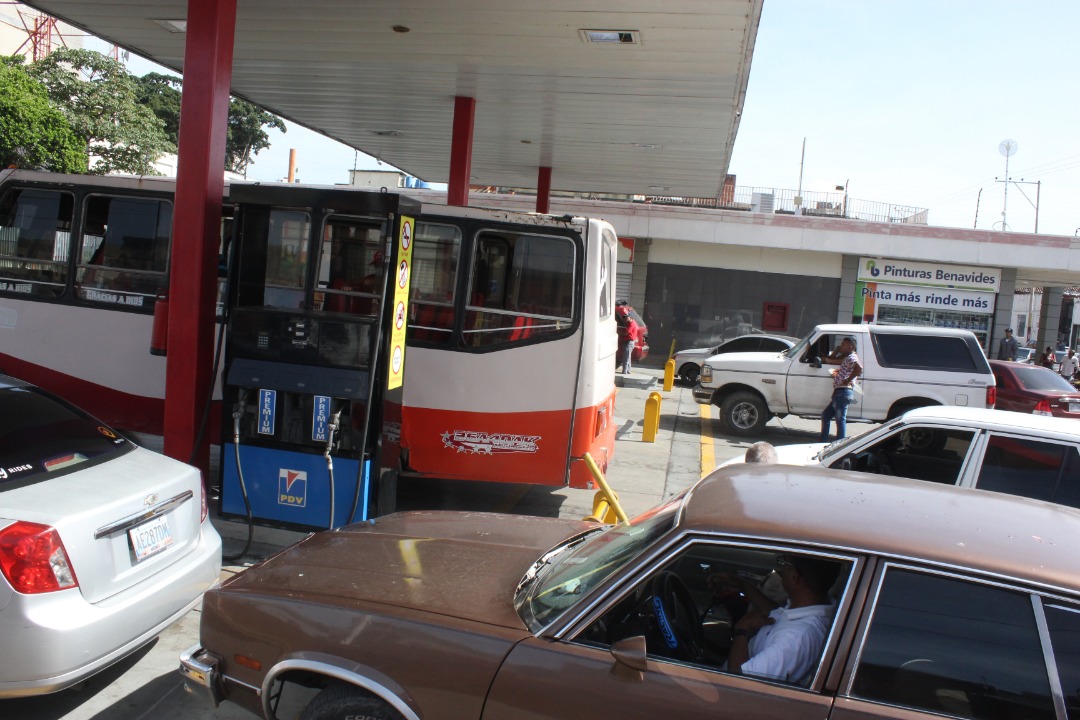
[{"x": 677, "y": 617}]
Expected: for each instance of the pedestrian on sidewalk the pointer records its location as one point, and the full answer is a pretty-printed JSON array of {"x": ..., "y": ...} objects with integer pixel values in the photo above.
[{"x": 843, "y": 388}]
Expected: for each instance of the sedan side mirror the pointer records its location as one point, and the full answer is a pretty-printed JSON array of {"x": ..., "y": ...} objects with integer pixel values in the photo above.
[{"x": 630, "y": 662}]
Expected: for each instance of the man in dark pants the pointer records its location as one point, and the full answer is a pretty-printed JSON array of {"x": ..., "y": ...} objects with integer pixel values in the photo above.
[
  {"x": 843, "y": 388},
  {"x": 1007, "y": 348}
]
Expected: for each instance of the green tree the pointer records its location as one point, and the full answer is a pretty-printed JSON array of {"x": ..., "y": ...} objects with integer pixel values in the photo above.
[
  {"x": 248, "y": 123},
  {"x": 101, "y": 101},
  {"x": 33, "y": 131}
]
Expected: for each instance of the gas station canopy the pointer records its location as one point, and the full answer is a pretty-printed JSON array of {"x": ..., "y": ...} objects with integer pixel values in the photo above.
[{"x": 616, "y": 96}]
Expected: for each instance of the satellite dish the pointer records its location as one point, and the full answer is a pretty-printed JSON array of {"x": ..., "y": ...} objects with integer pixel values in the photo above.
[{"x": 1008, "y": 147}]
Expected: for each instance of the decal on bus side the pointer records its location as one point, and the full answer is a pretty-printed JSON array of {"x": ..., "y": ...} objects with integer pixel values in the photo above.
[{"x": 483, "y": 443}]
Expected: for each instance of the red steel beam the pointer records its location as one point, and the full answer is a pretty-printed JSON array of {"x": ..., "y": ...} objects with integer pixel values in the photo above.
[
  {"x": 200, "y": 183},
  {"x": 457, "y": 190},
  {"x": 543, "y": 190}
]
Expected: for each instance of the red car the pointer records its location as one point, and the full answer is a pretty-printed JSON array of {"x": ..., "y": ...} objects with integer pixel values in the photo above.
[{"x": 1034, "y": 389}]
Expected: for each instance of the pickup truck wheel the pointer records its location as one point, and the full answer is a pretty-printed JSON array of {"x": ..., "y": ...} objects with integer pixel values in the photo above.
[
  {"x": 343, "y": 702},
  {"x": 690, "y": 372},
  {"x": 744, "y": 413}
]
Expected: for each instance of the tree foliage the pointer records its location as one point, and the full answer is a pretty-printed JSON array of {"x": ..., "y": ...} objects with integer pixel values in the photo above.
[
  {"x": 101, "y": 102},
  {"x": 34, "y": 132},
  {"x": 248, "y": 123}
]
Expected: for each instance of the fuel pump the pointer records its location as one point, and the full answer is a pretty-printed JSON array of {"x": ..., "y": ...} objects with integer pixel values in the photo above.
[{"x": 308, "y": 351}]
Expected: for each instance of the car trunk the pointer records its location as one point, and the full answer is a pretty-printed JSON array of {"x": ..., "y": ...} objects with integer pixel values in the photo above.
[{"x": 122, "y": 494}]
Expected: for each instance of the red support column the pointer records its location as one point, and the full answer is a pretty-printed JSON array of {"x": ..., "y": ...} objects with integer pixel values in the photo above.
[
  {"x": 200, "y": 183},
  {"x": 457, "y": 192},
  {"x": 543, "y": 190}
]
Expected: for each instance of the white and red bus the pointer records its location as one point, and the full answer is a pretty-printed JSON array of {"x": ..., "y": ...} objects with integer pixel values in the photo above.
[{"x": 509, "y": 372}]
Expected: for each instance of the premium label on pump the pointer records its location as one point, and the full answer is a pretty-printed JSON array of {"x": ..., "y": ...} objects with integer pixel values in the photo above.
[
  {"x": 267, "y": 411},
  {"x": 320, "y": 418}
]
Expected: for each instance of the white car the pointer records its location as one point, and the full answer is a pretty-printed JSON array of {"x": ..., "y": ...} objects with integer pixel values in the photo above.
[
  {"x": 688, "y": 362},
  {"x": 103, "y": 544},
  {"x": 1016, "y": 453}
]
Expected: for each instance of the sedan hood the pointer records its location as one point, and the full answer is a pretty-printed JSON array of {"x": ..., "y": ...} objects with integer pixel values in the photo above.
[{"x": 459, "y": 564}]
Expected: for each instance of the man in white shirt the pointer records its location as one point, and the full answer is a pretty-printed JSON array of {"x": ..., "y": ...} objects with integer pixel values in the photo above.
[
  {"x": 785, "y": 643},
  {"x": 1069, "y": 365}
]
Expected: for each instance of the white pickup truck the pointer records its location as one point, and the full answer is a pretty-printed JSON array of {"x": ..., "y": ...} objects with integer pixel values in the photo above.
[{"x": 904, "y": 367}]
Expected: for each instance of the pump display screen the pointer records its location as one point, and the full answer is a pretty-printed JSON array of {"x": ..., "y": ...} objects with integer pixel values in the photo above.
[{"x": 287, "y": 337}]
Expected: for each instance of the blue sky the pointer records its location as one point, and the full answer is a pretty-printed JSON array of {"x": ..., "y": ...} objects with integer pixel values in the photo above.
[
  {"x": 909, "y": 100},
  {"x": 906, "y": 100}
]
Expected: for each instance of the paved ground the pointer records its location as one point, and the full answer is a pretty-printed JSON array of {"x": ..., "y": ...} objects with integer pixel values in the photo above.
[{"x": 688, "y": 443}]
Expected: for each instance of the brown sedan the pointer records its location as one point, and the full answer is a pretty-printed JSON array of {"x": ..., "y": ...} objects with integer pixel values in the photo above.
[{"x": 764, "y": 591}]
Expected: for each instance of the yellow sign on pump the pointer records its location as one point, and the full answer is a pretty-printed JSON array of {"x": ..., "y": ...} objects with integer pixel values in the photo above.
[{"x": 402, "y": 275}]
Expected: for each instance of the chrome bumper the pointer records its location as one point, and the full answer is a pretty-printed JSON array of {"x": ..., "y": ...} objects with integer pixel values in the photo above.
[
  {"x": 702, "y": 395},
  {"x": 198, "y": 669}
]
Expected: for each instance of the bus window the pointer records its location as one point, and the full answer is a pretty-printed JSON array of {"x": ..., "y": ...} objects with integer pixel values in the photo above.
[
  {"x": 436, "y": 249},
  {"x": 607, "y": 253},
  {"x": 125, "y": 248},
  {"x": 521, "y": 289},
  {"x": 350, "y": 267},
  {"x": 35, "y": 227},
  {"x": 286, "y": 259}
]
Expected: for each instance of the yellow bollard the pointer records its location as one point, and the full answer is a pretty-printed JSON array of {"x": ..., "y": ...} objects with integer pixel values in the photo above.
[
  {"x": 609, "y": 497},
  {"x": 652, "y": 418},
  {"x": 669, "y": 375},
  {"x": 602, "y": 511}
]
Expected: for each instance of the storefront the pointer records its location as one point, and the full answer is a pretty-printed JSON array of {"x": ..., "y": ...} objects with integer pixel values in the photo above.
[{"x": 902, "y": 292}]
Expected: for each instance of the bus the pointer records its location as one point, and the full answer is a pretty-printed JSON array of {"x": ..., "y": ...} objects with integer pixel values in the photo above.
[{"x": 509, "y": 370}]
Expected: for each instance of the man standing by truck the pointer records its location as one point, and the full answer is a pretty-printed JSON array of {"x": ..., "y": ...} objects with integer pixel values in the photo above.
[
  {"x": 843, "y": 388},
  {"x": 1008, "y": 346}
]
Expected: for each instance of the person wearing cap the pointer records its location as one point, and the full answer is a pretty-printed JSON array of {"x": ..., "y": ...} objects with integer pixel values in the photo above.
[
  {"x": 785, "y": 642},
  {"x": 1008, "y": 347},
  {"x": 843, "y": 388}
]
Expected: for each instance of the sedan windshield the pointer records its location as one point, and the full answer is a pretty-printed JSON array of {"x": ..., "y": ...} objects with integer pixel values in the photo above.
[
  {"x": 568, "y": 577},
  {"x": 42, "y": 437}
]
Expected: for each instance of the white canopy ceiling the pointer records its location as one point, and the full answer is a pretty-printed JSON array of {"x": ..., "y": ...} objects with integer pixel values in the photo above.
[{"x": 654, "y": 114}]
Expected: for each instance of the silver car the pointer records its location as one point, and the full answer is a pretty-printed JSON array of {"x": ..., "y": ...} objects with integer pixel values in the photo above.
[
  {"x": 103, "y": 544},
  {"x": 688, "y": 362}
]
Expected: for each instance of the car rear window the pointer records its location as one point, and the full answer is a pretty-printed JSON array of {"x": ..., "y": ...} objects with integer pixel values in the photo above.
[
  {"x": 1040, "y": 378},
  {"x": 926, "y": 351},
  {"x": 42, "y": 437}
]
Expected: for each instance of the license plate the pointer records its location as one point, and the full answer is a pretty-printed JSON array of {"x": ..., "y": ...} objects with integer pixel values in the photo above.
[
  {"x": 1074, "y": 407},
  {"x": 150, "y": 538}
]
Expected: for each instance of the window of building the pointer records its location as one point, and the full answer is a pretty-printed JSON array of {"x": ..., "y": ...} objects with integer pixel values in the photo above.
[{"x": 35, "y": 229}]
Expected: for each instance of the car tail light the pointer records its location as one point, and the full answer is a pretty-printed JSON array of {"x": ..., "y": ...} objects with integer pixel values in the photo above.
[
  {"x": 991, "y": 397},
  {"x": 33, "y": 559},
  {"x": 1042, "y": 408}
]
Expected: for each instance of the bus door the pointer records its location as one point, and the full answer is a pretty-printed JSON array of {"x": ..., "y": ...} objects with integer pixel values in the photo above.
[
  {"x": 495, "y": 349},
  {"x": 309, "y": 333}
]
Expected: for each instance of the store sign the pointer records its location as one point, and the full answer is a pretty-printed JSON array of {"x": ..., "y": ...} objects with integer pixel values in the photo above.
[
  {"x": 961, "y": 277},
  {"x": 925, "y": 297}
]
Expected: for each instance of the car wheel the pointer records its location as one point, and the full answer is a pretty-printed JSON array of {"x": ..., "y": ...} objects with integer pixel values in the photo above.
[
  {"x": 744, "y": 413},
  {"x": 690, "y": 373},
  {"x": 344, "y": 702}
]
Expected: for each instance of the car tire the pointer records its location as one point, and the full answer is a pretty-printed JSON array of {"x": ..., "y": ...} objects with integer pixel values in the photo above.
[
  {"x": 744, "y": 414},
  {"x": 690, "y": 373},
  {"x": 339, "y": 702}
]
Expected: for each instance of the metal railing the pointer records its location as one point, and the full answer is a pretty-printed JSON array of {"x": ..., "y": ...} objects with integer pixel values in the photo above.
[{"x": 762, "y": 199}]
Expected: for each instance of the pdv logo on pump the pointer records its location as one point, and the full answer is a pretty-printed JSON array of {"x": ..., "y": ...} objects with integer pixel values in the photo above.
[{"x": 292, "y": 487}]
